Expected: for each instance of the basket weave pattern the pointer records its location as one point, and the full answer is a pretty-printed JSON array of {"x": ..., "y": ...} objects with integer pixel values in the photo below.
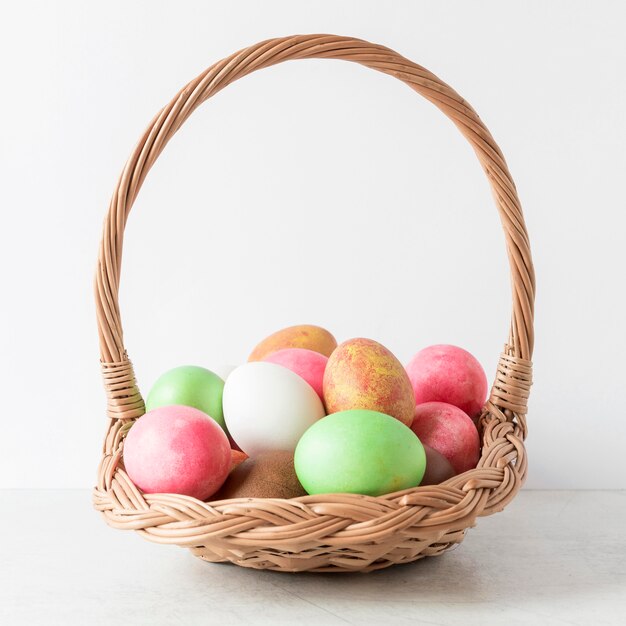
[{"x": 330, "y": 532}]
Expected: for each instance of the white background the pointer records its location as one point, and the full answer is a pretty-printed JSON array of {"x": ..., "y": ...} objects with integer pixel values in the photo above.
[{"x": 312, "y": 192}]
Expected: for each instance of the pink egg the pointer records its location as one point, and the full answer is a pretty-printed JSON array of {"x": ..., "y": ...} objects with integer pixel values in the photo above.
[
  {"x": 448, "y": 374},
  {"x": 306, "y": 363},
  {"x": 449, "y": 431},
  {"x": 177, "y": 449}
]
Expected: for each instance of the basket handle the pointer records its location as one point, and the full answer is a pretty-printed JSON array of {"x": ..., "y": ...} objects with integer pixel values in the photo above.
[{"x": 510, "y": 390}]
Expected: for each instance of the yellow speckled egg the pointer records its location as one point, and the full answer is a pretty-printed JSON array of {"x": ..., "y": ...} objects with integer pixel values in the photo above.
[{"x": 363, "y": 374}]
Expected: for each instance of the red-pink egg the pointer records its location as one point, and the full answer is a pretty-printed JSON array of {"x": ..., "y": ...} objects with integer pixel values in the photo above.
[
  {"x": 449, "y": 431},
  {"x": 177, "y": 449},
  {"x": 306, "y": 363},
  {"x": 444, "y": 373}
]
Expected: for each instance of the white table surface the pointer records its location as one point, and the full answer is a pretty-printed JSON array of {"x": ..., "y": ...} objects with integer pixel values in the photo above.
[{"x": 549, "y": 558}]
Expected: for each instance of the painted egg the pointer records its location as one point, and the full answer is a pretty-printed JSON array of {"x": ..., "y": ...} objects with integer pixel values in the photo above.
[
  {"x": 237, "y": 457},
  {"x": 177, "y": 449},
  {"x": 450, "y": 431},
  {"x": 303, "y": 336},
  {"x": 444, "y": 373},
  {"x": 307, "y": 364},
  {"x": 363, "y": 374},
  {"x": 268, "y": 407},
  {"x": 359, "y": 451},
  {"x": 189, "y": 385}
]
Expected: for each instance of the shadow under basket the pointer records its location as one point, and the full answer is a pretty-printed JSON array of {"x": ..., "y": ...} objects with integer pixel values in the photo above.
[{"x": 330, "y": 532}]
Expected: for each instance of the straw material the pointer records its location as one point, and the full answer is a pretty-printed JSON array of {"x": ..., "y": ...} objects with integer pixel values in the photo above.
[{"x": 331, "y": 532}]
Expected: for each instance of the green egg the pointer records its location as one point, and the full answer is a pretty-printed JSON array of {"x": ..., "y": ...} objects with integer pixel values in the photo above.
[
  {"x": 359, "y": 451},
  {"x": 189, "y": 385}
]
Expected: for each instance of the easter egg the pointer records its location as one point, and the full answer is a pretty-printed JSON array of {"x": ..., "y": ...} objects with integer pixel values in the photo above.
[
  {"x": 444, "y": 373},
  {"x": 363, "y": 374},
  {"x": 307, "y": 364},
  {"x": 438, "y": 468},
  {"x": 268, "y": 407},
  {"x": 189, "y": 385},
  {"x": 237, "y": 457},
  {"x": 450, "y": 431},
  {"x": 267, "y": 475},
  {"x": 303, "y": 336},
  {"x": 177, "y": 449},
  {"x": 359, "y": 451},
  {"x": 223, "y": 370}
]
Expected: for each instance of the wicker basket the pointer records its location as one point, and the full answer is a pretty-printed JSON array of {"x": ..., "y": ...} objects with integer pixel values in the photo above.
[{"x": 332, "y": 532}]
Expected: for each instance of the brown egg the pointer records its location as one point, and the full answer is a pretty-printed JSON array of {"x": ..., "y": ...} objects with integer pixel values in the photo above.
[
  {"x": 438, "y": 468},
  {"x": 267, "y": 475}
]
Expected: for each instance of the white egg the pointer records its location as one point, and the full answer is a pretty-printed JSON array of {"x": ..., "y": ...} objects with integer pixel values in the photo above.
[
  {"x": 268, "y": 407},
  {"x": 223, "y": 370}
]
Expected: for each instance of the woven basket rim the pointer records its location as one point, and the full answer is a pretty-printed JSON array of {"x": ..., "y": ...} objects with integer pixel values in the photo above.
[{"x": 330, "y": 532}]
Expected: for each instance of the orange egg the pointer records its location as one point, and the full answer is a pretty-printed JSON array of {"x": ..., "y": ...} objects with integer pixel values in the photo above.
[
  {"x": 303, "y": 336},
  {"x": 236, "y": 458}
]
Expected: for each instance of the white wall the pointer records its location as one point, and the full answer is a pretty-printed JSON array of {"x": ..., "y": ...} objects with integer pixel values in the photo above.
[{"x": 316, "y": 192}]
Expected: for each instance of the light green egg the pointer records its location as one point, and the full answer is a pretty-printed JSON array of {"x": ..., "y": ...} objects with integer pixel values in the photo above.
[
  {"x": 189, "y": 385},
  {"x": 359, "y": 451}
]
